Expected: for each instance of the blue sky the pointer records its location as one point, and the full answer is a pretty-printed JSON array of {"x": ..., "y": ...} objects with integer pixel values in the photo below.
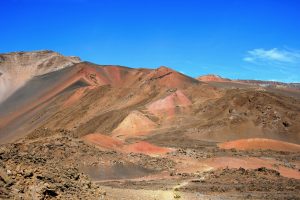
[{"x": 245, "y": 39}]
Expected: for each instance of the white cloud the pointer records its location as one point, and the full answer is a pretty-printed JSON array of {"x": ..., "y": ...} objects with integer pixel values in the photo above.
[{"x": 273, "y": 55}]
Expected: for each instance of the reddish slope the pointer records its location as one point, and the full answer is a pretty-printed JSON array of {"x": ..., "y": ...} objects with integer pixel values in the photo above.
[
  {"x": 77, "y": 95},
  {"x": 212, "y": 77},
  {"x": 168, "y": 106},
  {"x": 167, "y": 77}
]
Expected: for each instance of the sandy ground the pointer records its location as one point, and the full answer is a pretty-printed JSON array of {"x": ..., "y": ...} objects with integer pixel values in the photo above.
[{"x": 125, "y": 194}]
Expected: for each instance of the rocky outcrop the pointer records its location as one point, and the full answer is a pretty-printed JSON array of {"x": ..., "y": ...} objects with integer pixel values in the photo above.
[{"x": 45, "y": 169}]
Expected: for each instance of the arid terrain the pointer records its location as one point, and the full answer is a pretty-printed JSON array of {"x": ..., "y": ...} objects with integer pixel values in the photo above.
[{"x": 71, "y": 129}]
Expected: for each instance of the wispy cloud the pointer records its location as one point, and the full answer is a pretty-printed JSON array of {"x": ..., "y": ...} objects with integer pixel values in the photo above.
[{"x": 273, "y": 56}]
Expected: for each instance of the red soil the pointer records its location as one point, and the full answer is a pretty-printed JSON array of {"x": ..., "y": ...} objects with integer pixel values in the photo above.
[
  {"x": 120, "y": 76},
  {"x": 251, "y": 163},
  {"x": 76, "y": 96},
  {"x": 108, "y": 142},
  {"x": 167, "y": 77},
  {"x": 167, "y": 106},
  {"x": 146, "y": 148},
  {"x": 103, "y": 141},
  {"x": 134, "y": 124},
  {"x": 212, "y": 77},
  {"x": 260, "y": 143},
  {"x": 114, "y": 74}
]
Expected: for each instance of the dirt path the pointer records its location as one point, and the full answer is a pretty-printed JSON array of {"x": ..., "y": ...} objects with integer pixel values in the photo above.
[{"x": 142, "y": 194}]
